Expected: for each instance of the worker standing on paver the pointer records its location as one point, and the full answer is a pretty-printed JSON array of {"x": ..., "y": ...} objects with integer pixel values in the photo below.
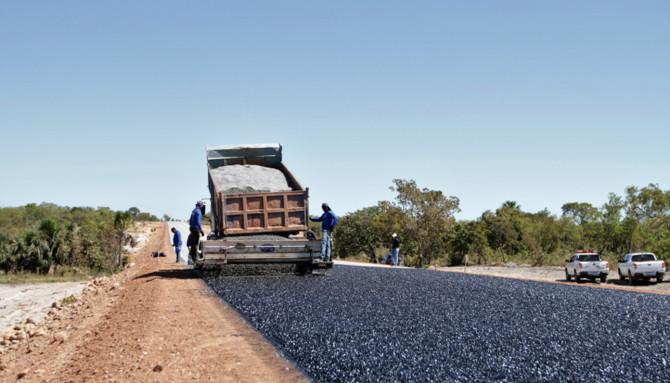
[
  {"x": 328, "y": 222},
  {"x": 196, "y": 230},
  {"x": 395, "y": 249},
  {"x": 176, "y": 242}
]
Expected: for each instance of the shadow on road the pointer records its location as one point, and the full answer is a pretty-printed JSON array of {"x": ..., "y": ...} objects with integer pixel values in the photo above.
[{"x": 171, "y": 274}]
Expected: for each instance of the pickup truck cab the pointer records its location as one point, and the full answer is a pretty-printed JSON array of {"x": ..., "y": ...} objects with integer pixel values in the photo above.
[
  {"x": 586, "y": 265},
  {"x": 641, "y": 266}
]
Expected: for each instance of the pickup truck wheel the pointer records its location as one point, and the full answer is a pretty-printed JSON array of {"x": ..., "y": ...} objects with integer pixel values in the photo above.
[
  {"x": 568, "y": 277},
  {"x": 631, "y": 281},
  {"x": 577, "y": 277},
  {"x": 621, "y": 276},
  {"x": 659, "y": 279},
  {"x": 603, "y": 279}
]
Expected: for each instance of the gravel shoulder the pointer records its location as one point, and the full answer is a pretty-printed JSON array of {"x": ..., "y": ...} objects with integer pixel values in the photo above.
[
  {"x": 557, "y": 274},
  {"x": 154, "y": 322}
]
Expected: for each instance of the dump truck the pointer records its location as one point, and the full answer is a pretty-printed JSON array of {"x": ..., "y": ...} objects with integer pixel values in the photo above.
[{"x": 259, "y": 211}]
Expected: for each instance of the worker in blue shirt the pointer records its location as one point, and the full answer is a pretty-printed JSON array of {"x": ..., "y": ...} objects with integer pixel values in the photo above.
[
  {"x": 176, "y": 242},
  {"x": 328, "y": 222},
  {"x": 196, "y": 230}
]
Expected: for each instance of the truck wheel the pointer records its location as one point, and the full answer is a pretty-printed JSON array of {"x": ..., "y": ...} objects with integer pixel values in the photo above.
[
  {"x": 659, "y": 279},
  {"x": 577, "y": 277},
  {"x": 621, "y": 276},
  {"x": 603, "y": 278},
  {"x": 304, "y": 270},
  {"x": 631, "y": 281},
  {"x": 568, "y": 277}
]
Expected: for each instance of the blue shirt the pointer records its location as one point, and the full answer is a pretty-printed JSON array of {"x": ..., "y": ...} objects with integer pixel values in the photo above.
[
  {"x": 196, "y": 219},
  {"x": 176, "y": 240},
  {"x": 328, "y": 220}
]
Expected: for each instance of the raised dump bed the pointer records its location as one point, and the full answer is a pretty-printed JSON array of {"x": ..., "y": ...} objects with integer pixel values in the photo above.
[{"x": 253, "y": 192}]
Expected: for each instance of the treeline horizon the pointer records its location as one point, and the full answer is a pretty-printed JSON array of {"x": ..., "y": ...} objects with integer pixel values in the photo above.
[
  {"x": 38, "y": 237},
  {"x": 48, "y": 238},
  {"x": 638, "y": 220}
]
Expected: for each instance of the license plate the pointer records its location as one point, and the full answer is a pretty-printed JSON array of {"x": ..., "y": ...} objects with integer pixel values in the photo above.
[
  {"x": 650, "y": 274},
  {"x": 594, "y": 273}
]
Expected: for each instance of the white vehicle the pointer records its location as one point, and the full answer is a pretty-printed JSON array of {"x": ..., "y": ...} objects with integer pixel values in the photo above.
[
  {"x": 637, "y": 266},
  {"x": 584, "y": 264}
]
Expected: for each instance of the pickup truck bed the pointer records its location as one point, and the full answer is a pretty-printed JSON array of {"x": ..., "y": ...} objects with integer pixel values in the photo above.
[{"x": 641, "y": 266}]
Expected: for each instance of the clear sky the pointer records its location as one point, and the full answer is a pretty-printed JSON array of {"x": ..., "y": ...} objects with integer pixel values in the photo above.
[{"x": 112, "y": 103}]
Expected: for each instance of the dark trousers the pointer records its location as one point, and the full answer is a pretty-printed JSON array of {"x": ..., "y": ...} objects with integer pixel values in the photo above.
[{"x": 195, "y": 240}]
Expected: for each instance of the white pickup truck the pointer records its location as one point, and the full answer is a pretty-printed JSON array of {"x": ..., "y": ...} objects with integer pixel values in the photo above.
[
  {"x": 637, "y": 266},
  {"x": 586, "y": 265}
]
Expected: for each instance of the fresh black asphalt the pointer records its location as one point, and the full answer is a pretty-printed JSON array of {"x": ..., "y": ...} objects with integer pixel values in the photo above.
[{"x": 364, "y": 324}]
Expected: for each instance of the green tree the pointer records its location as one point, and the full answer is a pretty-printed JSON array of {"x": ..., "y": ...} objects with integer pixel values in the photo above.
[
  {"x": 363, "y": 231},
  {"x": 586, "y": 217},
  {"x": 52, "y": 237},
  {"x": 134, "y": 211},
  {"x": 425, "y": 215}
]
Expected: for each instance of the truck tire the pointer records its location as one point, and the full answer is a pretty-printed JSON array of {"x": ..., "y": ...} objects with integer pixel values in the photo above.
[
  {"x": 659, "y": 278},
  {"x": 304, "y": 269},
  {"x": 577, "y": 277},
  {"x": 568, "y": 277},
  {"x": 621, "y": 276},
  {"x": 603, "y": 278},
  {"x": 631, "y": 281}
]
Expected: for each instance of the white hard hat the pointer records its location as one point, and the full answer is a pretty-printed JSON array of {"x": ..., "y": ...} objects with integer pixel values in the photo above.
[{"x": 394, "y": 235}]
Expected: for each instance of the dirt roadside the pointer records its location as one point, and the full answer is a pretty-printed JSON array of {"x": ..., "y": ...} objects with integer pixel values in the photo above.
[{"x": 154, "y": 322}]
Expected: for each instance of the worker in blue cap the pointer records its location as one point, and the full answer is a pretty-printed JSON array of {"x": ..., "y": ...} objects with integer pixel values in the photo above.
[
  {"x": 196, "y": 229},
  {"x": 328, "y": 222}
]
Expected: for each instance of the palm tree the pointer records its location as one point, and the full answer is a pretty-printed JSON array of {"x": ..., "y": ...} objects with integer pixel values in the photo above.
[
  {"x": 511, "y": 205},
  {"x": 51, "y": 232}
]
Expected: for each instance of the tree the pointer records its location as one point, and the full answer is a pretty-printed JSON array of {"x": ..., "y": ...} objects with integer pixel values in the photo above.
[
  {"x": 122, "y": 222},
  {"x": 425, "y": 215},
  {"x": 586, "y": 216},
  {"x": 610, "y": 217},
  {"x": 52, "y": 236},
  {"x": 134, "y": 211},
  {"x": 363, "y": 231}
]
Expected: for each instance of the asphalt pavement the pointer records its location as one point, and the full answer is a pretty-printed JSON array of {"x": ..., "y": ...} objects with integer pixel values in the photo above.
[{"x": 365, "y": 324}]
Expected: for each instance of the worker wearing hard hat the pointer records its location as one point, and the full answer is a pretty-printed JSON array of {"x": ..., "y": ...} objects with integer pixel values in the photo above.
[
  {"x": 328, "y": 221},
  {"x": 196, "y": 229}
]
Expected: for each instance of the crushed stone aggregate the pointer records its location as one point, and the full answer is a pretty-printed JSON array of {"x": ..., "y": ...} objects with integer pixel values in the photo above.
[
  {"x": 243, "y": 179},
  {"x": 363, "y": 324}
]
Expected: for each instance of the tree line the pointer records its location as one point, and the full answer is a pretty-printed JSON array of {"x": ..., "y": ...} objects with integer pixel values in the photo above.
[
  {"x": 41, "y": 238},
  {"x": 638, "y": 220}
]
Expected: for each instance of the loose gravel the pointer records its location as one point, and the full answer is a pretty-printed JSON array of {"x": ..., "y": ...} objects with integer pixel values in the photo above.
[
  {"x": 380, "y": 325},
  {"x": 242, "y": 179}
]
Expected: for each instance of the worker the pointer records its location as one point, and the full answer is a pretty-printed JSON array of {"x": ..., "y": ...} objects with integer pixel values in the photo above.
[
  {"x": 328, "y": 222},
  {"x": 395, "y": 249},
  {"x": 196, "y": 230},
  {"x": 176, "y": 242}
]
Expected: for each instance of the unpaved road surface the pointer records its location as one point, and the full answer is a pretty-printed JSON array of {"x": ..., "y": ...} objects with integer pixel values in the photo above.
[
  {"x": 154, "y": 322},
  {"x": 19, "y": 302},
  {"x": 557, "y": 274}
]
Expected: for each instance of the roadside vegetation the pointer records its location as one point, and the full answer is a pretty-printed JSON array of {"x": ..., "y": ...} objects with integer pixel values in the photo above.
[
  {"x": 424, "y": 219},
  {"x": 49, "y": 243}
]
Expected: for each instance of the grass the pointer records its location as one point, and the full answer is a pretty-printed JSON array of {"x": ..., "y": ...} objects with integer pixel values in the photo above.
[{"x": 38, "y": 278}]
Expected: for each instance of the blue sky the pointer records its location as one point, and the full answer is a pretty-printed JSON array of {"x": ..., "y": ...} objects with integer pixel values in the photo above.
[{"x": 113, "y": 103}]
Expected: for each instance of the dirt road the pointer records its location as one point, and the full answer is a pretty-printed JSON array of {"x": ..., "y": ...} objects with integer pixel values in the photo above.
[{"x": 154, "y": 322}]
